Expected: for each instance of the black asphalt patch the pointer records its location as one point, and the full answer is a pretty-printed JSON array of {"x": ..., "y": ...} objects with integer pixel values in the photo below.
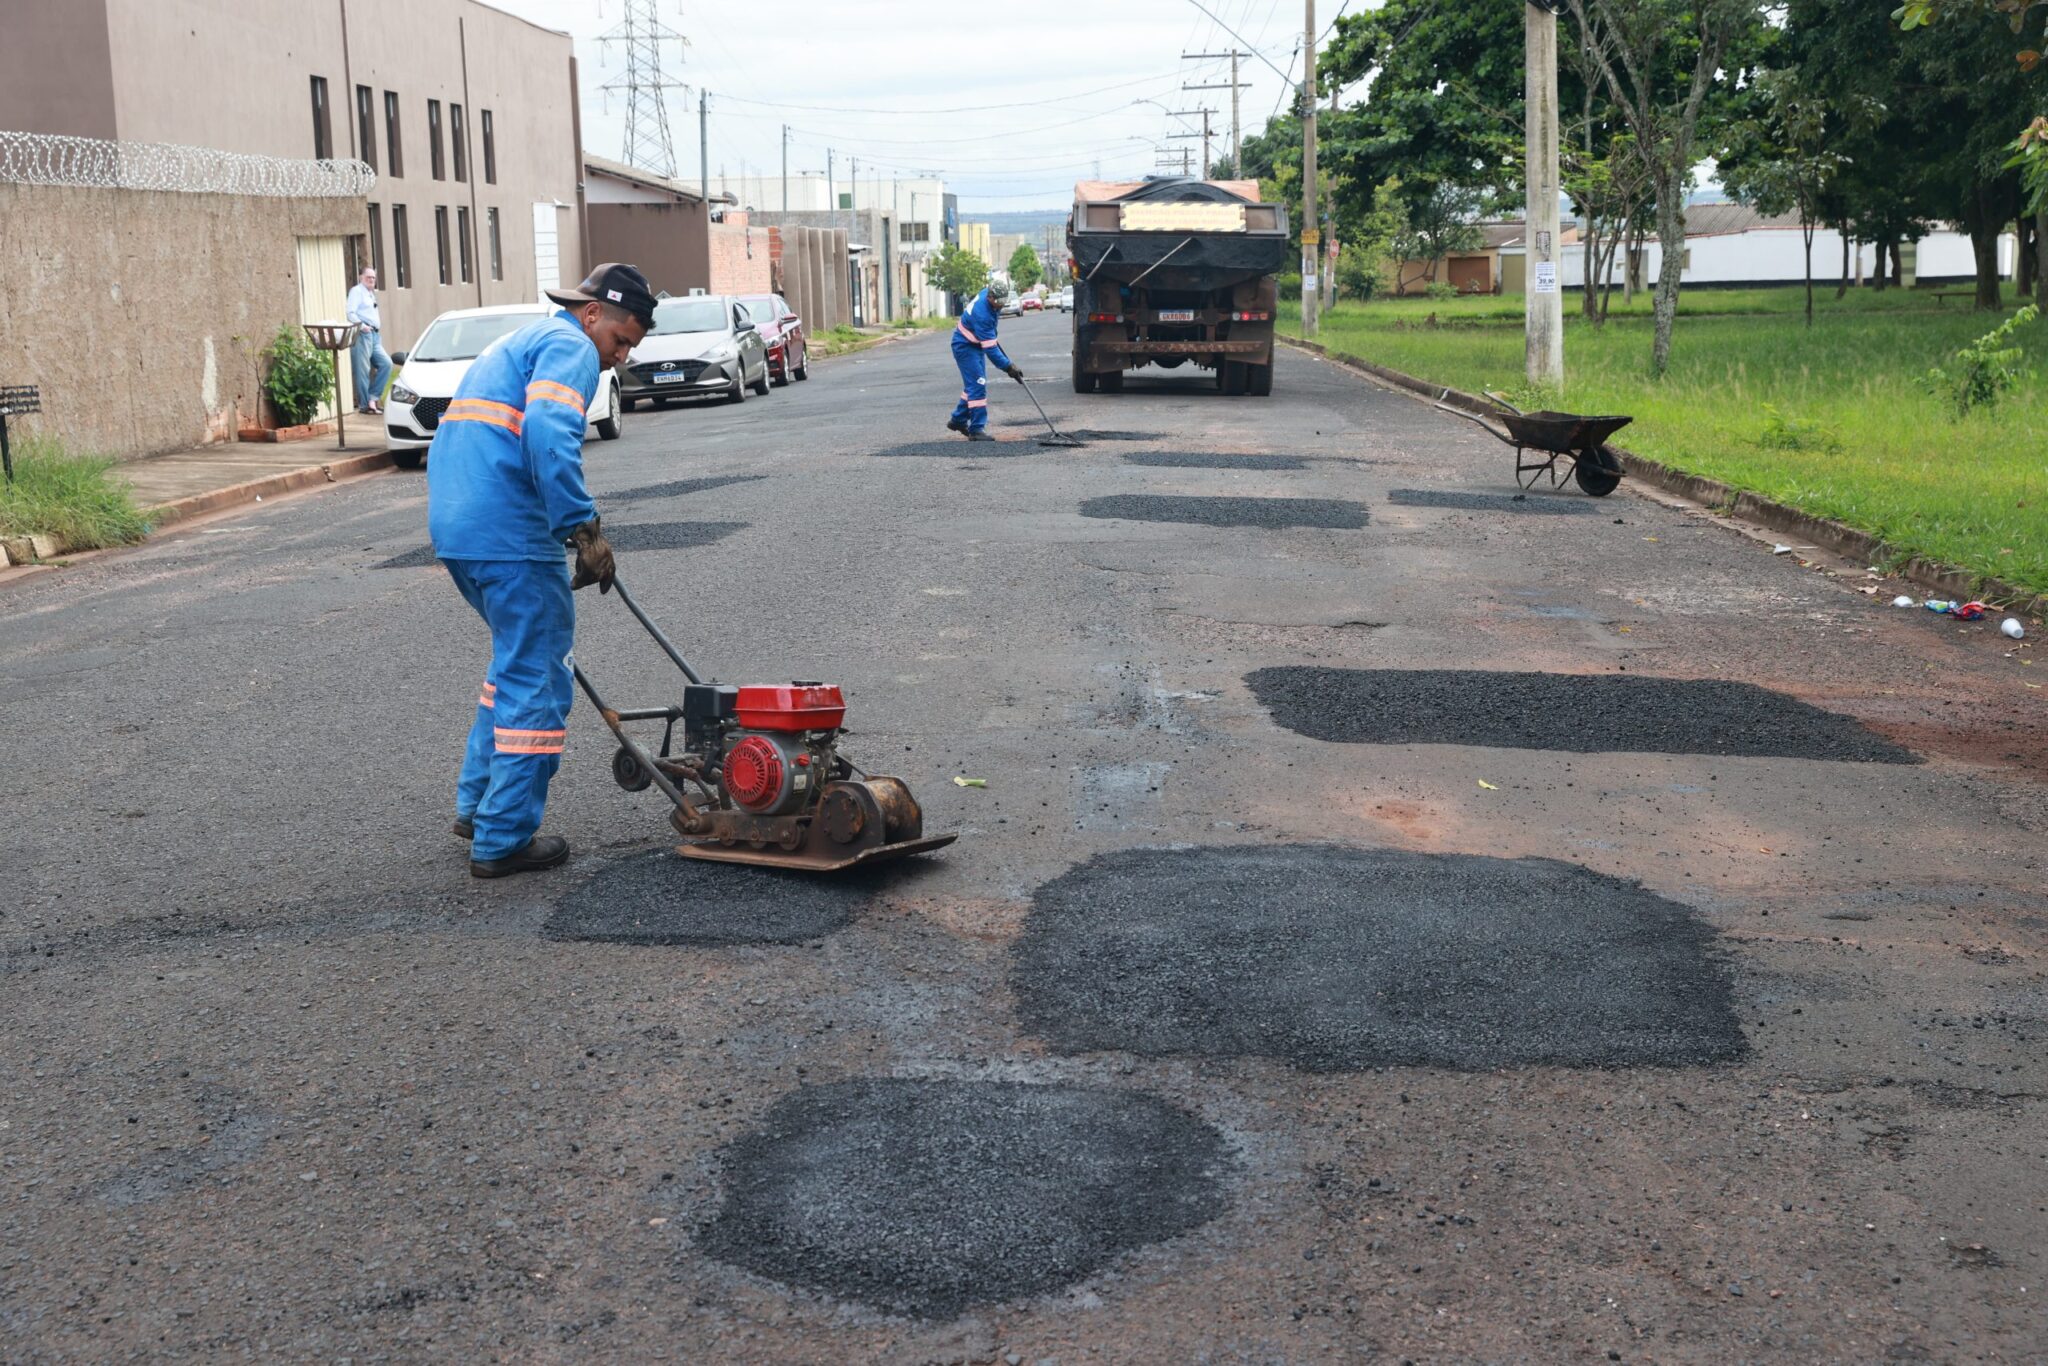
[
  {"x": 1192, "y": 460},
  {"x": 1339, "y": 959},
  {"x": 624, "y": 536},
  {"x": 1580, "y": 713},
  {"x": 1488, "y": 502},
  {"x": 960, "y": 447},
  {"x": 679, "y": 488},
  {"x": 928, "y": 1197},
  {"x": 1329, "y": 513},
  {"x": 662, "y": 898}
]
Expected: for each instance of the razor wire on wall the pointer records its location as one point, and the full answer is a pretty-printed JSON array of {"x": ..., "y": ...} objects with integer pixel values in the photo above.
[{"x": 52, "y": 159}]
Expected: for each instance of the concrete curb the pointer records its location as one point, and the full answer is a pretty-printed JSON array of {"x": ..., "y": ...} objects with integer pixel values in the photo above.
[
  {"x": 1722, "y": 498},
  {"x": 178, "y": 510}
]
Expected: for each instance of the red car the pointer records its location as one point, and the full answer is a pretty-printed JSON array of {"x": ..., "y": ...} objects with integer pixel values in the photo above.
[
  {"x": 1032, "y": 303},
  {"x": 789, "y": 354}
]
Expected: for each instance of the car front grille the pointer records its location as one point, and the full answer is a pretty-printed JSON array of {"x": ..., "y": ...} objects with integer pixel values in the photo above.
[
  {"x": 690, "y": 370},
  {"x": 428, "y": 412}
]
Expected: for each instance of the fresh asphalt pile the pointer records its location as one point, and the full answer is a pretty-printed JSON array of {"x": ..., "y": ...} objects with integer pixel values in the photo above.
[
  {"x": 624, "y": 536},
  {"x": 1335, "y": 514},
  {"x": 677, "y": 488},
  {"x": 960, "y": 447},
  {"x": 662, "y": 898},
  {"x": 1580, "y": 713},
  {"x": 928, "y": 1197},
  {"x": 1339, "y": 959},
  {"x": 1195, "y": 460},
  {"x": 1489, "y": 502}
]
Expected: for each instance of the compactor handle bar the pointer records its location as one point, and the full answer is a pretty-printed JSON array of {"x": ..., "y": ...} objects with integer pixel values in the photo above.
[{"x": 663, "y": 641}]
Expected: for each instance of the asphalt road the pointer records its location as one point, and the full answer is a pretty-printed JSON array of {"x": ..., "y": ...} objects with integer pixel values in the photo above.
[{"x": 1717, "y": 1052}]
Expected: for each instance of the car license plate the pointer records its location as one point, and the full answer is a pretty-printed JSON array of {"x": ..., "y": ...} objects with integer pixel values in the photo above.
[
  {"x": 670, "y": 377},
  {"x": 1176, "y": 315}
]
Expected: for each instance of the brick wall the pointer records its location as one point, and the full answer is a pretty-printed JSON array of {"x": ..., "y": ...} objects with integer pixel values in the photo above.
[
  {"x": 740, "y": 257},
  {"x": 141, "y": 313}
]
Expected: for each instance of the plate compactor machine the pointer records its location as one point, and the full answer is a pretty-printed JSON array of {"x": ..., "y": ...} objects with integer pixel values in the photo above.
[{"x": 772, "y": 787}]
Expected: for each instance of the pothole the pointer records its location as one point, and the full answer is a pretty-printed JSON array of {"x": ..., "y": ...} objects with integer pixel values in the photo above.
[
  {"x": 1195, "y": 460},
  {"x": 928, "y": 1197},
  {"x": 661, "y": 898},
  {"x": 1580, "y": 713},
  {"x": 623, "y": 536},
  {"x": 1489, "y": 502},
  {"x": 958, "y": 448},
  {"x": 679, "y": 488},
  {"x": 1272, "y": 513},
  {"x": 1338, "y": 959}
]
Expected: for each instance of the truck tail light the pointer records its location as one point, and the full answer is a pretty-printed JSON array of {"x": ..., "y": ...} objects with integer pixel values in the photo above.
[
  {"x": 1251, "y": 317},
  {"x": 1105, "y": 317}
]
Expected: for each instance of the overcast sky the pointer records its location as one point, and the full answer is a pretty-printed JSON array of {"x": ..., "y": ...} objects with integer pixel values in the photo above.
[{"x": 905, "y": 86}]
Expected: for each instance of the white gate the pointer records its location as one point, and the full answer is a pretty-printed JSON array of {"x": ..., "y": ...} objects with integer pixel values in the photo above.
[{"x": 547, "y": 260}]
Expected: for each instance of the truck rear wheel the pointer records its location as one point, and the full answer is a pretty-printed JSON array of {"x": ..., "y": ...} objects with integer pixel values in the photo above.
[
  {"x": 1084, "y": 379},
  {"x": 1111, "y": 382},
  {"x": 1233, "y": 377},
  {"x": 1261, "y": 380}
]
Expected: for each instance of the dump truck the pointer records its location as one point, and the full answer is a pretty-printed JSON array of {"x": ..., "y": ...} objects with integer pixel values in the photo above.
[{"x": 1172, "y": 270}]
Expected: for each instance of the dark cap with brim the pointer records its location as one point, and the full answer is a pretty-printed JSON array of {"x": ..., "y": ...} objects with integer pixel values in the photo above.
[{"x": 612, "y": 283}]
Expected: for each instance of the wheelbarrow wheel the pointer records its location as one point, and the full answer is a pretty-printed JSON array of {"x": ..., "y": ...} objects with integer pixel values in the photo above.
[
  {"x": 1597, "y": 472},
  {"x": 629, "y": 773}
]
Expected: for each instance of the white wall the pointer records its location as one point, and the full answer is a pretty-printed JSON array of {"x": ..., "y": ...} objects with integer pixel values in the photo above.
[{"x": 1777, "y": 256}]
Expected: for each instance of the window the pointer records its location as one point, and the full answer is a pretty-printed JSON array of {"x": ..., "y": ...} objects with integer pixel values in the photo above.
[
  {"x": 434, "y": 139},
  {"x": 323, "y": 122},
  {"x": 497, "y": 246},
  {"x": 441, "y": 239},
  {"x": 401, "y": 248},
  {"x": 396, "y": 163},
  {"x": 490, "y": 151},
  {"x": 366, "y": 125},
  {"x": 377, "y": 239},
  {"x": 915, "y": 232},
  {"x": 462, "y": 245},
  {"x": 458, "y": 142}
]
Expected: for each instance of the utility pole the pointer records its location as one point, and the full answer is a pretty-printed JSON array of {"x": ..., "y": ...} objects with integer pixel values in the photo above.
[
  {"x": 831, "y": 195},
  {"x": 1186, "y": 153},
  {"x": 1234, "y": 85},
  {"x": 785, "y": 168},
  {"x": 703, "y": 150},
  {"x": 1543, "y": 302},
  {"x": 1311, "y": 228}
]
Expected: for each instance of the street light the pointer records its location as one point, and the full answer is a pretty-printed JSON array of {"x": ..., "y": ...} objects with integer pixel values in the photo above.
[{"x": 334, "y": 338}]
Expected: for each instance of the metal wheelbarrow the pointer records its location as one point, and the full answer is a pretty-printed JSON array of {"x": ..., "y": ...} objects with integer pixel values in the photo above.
[{"x": 1579, "y": 440}]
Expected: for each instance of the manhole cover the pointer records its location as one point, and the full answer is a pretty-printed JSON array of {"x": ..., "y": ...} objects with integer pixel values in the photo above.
[
  {"x": 1331, "y": 513},
  {"x": 677, "y": 488},
  {"x": 661, "y": 898},
  {"x": 1581, "y": 713},
  {"x": 624, "y": 536},
  {"x": 927, "y": 1197},
  {"x": 1193, "y": 460},
  {"x": 1489, "y": 502},
  {"x": 1337, "y": 959},
  {"x": 958, "y": 448}
]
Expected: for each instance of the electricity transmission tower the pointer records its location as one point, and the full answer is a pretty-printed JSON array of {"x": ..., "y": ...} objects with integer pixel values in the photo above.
[{"x": 645, "y": 83}]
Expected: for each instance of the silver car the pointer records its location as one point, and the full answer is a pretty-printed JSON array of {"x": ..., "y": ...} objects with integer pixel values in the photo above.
[{"x": 702, "y": 345}]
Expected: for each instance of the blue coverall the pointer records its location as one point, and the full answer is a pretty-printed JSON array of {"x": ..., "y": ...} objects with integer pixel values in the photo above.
[
  {"x": 974, "y": 344},
  {"x": 504, "y": 490}
]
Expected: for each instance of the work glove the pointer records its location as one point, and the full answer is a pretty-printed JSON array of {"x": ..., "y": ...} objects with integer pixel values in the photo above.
[
  {"x": 1015, "y": 372},
  {"x": 593, "y": 558}
]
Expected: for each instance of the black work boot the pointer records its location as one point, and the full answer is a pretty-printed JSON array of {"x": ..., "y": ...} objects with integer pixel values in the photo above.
[
  {"x": 463, "y": 829},
  {"x": 954, "y": 424},
  {"x": 542, "y": 851},
  {"x": 977, "y": 434}
]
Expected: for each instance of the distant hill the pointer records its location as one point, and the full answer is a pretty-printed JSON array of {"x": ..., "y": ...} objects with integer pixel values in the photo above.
[{"x": 1031, "y": 222}]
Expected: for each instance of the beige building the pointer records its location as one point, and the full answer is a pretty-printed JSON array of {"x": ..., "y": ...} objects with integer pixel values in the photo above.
[{"x": 467, "y": 114}]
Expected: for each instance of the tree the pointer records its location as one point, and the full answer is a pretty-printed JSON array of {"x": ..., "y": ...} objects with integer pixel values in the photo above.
[
  {"x": 1433, "y": 221},
  {"x": 1024, "y": 268},
  {"x": 955, "y": 270},
  {"x": 1781, "y": 159},
  {"x": 1663, "y": 65}
]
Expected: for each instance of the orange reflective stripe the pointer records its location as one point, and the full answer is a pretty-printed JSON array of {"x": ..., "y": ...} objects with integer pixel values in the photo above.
[
  {"x": 530, "y": 741},
  {"x": 488, "y": 700},
  {"x": 483, "y": 410},
  {"x": 961, "y": 327},
  {"x": 554, "y": 393},
  {"x": 977, "y": 403},
  {"x": 989, "y": 343}
]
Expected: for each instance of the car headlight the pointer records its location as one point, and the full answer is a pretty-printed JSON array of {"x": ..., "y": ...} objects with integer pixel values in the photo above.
[{"x": 401, "y": 394}]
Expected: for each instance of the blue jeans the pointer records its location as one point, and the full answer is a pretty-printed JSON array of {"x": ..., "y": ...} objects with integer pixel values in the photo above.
[
  {"x": 372, "y": 367},
  {"x": 516, "y": 741}
]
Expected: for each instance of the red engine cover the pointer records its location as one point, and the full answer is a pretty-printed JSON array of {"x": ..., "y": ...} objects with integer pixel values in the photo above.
[
  {"x": 753, "y": 772},
  {"x": 800, "y": 706}
]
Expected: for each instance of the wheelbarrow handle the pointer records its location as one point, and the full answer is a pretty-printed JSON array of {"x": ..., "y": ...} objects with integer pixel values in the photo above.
[{"x": 1505, "y": 438}]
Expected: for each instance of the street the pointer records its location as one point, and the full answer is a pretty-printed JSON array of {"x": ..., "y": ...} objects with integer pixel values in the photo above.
[{"x": 1395, "y": 922}]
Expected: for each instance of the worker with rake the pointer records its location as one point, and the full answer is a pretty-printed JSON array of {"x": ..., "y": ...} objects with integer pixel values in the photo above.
[{"x": 974, "y": 345}]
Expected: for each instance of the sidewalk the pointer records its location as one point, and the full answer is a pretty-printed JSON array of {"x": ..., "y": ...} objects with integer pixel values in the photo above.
[{"x": 203, "y": 479}]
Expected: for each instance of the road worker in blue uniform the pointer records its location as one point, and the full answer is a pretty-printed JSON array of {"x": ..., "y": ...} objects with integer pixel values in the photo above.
[
  {"x": 505, "y": 496},
  {"x": 974, "y": 345}
]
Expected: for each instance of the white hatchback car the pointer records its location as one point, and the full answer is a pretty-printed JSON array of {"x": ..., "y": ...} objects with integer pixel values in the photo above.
[{"x": 436, "y": 365}]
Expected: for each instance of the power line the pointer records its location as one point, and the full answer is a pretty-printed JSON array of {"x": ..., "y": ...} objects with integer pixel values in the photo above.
[{"x": 956, "y": 109}]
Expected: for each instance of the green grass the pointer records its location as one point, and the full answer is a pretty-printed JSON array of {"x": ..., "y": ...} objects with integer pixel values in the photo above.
[
  {"x": 1832, "y": 419},
  {"x": 75, "y": 498}
]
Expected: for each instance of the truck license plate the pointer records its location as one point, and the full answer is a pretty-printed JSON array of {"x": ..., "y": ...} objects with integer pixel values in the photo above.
[{"x": 1176, "y": 315}]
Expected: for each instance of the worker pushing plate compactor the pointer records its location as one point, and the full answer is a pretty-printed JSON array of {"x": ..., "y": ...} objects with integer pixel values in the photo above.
[{"x": 772, "y": 788}]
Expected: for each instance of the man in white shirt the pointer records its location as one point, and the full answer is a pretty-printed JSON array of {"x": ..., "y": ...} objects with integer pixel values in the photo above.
[{"x": 372, "y": 365}]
